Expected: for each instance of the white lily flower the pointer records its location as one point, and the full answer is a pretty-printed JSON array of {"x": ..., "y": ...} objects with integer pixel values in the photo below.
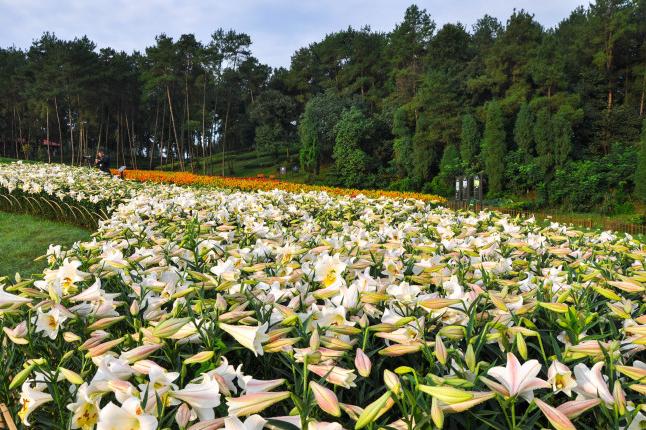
[
  {"x": 50, "y": 322},
  {"x": 31, "y": 399},
  {"x": 129, "y": 416},
  {"x": 248, "y": 336},
  {"x": 519, "y": 379}
]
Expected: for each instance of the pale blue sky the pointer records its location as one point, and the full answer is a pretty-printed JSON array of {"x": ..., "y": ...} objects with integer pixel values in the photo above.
[{"x": 277, "y": 27}]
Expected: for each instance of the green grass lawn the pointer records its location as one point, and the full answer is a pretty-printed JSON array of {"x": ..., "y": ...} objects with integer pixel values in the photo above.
[{"x": 24, "y": 238}]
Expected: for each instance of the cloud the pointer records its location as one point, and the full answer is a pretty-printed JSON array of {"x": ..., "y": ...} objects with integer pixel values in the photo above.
[{"x": 277, "y": 27}]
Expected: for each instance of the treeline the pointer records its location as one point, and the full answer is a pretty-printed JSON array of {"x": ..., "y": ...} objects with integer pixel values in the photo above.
[{"x": 551, "y": 115}]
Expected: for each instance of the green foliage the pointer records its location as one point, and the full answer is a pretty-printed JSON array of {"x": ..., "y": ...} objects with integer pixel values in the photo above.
[
  {"x": 469, "y": 141},
  {"x": 524, "y": 131},
  {"x": 494, "y": 147},
  {"x": 316, "y": 130},
  {"x": 351, "y": 161},
  {"x": 443, "y": 182},
  {"x": 603, "y": 183},
  {"x": 640, "y": 173}
]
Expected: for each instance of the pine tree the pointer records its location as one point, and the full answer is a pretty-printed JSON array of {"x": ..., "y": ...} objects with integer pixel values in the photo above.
[
  {"x": 494, "y": 147},
  {"x": 442, "y": 184},
  {"x": 562, "y": 130},
  {"x": 523, "y": 133},
  {"x": 544, "y": 137},
  {"x": 469, "y": 141},
  {"x": 640, "y": 173}
]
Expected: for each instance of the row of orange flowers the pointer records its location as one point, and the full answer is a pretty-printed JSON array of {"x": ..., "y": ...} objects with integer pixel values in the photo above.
[{"x": 265, "y": 184}]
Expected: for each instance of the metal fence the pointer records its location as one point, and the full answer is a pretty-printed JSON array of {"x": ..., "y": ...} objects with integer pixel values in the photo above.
[{"x": 600, "y": 223}]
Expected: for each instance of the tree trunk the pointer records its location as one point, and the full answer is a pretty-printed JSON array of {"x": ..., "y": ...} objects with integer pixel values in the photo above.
[
  {"x": 224, "y": 137},
  {"x": 172, "y": 118},
  {"x": 152, "y": 145},
  {"x": 60, "y": 130},
  {"x": 641, "y": 101},
  {"x": 204, "y": 125},
  {"x": 69, "y": 115}
]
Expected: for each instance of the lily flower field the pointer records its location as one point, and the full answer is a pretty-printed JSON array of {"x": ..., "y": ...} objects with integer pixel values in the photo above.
[{"x": 207, "y": 307}]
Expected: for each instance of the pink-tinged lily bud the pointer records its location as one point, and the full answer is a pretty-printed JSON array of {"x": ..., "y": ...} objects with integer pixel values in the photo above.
[
  {"x": 334, "y": 375},
  {"x": 200, "y": 357},
  {"x": 554, "y": 416},
  {"x": 214, "y": 424},
  {"x": 95, "y": 339},
  {"x": 134, "y": 308},
  {"x": 254, "y": 403},
  {"x": 183, "y": 415},
  {"x": 220, "y": 303},
  {"x": 392, "y": 382},
  {"x": 103, "y": 348},
  {"x": 353, "y": 411},
  {"x": 363, "y": 321},
  {"x": 371, "y": 412},
  {"x": 144, "y": 366},
  {"x": 634, "y": 373},
  {"x": 105, "y": 322},
  {"x": 362, "y": 363},
  {"x": 440, "y": 350},
  {"x": 169, "y": 327},
  {"x": 18, "y": 333},
  {"x": 139, "y": 353},
  {"x": 326, "y": 399},
  {"x": 315, "y": 340},
  {"x": 620, "y": 398},
  {"x": 436, "y": 413},
  {"x": 400, "y": 349},
  {"x": 574, "y": 408},
  {"x": 71, "y": 376}
]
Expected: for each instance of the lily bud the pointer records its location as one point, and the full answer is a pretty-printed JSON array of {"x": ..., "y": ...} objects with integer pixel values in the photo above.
[
  {"x": 470, "y": 358},
  {"x": 436, "y": 413},
  {"x": 440, "y": 350},
  {"x": 140, "y": 352},
  {"x": 362, "y": 363},
  {"x": 521, "y": 345},
  {"x": 71, "y": 376},
  {"x": 105, "y": 322},
  {"x": 326, "y": 399},
  {"x": 200, "y": 357},
  {"x": 254, "y": 403},
  {"x": 169, "y": 327},
  {"x": 371, "y": 412},
  {"x": 554, "y": 416},
  {"x": 392, "y": 382},
  {"x": 315, "y": 340},
  {"x": 620, "y": 398},
  {"x": 134, "y": 308},
  {"x": 183, "y": 415},
  {"x": 21, "y": 376},
  {"x": 70, "y": 337}
]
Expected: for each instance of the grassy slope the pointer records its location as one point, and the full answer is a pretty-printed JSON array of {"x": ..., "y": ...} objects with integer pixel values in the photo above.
[{"x": 25, "y": 237}]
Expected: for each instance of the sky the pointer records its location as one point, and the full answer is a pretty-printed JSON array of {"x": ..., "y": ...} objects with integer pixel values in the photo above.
[{"x": 277, "y": 27}]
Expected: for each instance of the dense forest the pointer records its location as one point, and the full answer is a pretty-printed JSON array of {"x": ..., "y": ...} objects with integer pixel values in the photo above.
[{"x": 550, "y": 115}]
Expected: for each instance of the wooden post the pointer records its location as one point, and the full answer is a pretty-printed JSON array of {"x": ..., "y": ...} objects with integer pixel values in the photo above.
[{"x": 6, "y": 422}]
